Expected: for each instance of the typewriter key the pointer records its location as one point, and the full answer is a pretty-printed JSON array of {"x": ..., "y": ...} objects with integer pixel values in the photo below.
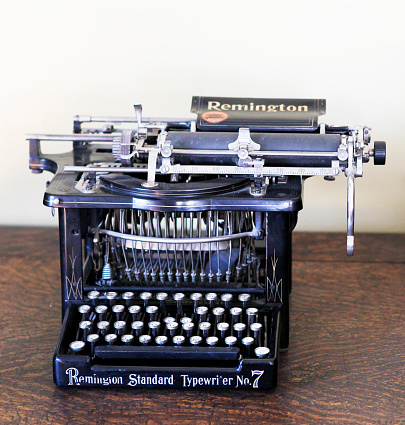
[
  {"x": 248, "y": 341},
  {"x": 212, "y": 341},
  {"x": 223, "y": 327},
  {"x": 101, "y": 310},
  {"x": 196, "y": 297},
  {"x": 161, "y": 340},
  {"x": 172, "y": 328},
  {"x": 256, "y": 329},
  {"x": 85, "y": 326},
  {"x": 205, "y": 328},
  {"x": 230, "y": 341},
  {"x": 145, "y": 339},
  {"x": 111, "y": 339},
  {"x": 211, "y": 297},
  {"x": 93, "y": 296},
  {"x": 178, "y": 339},
  {"x": 127, "y": 339},
  {"x": 262, "y": 352},
  {"x": 118, "y": 309},
  {"x": 146, "y": 297},
  {"x": 169, "y": 319},
  {"x": 120, "y": 326},
  {"x": 152, "y": 310},
  {"x": 178, "y": 297},
  {"x": 195, "y": 340},
  {"x": 188, "y": 328},
  {"x": 186, "y": 319},
  {"x": 111, "y": 296},
  {"x": 235, "y": 313},
  {"x": 92, "y": 339},
  {"x": 137, "y": 327},
  {"x": 84, "y": 310},
  {"x": 251, "y": 315},
  {"x": 103, "y": 326},
  {"x": 226, "y": 298},
  {"x": 77, "y": 346},
  {"x": 218, "y": 312},
  {"x": 134, "y": 310},
  {"x": 244, "y": 298},
  {"x": 239, "y": 328},
  {"x": 162, "y": 297},
  {"x": 154, "y": 327},
  {"x": 128, "y": 296},
  {"x": 202, "y": 313}
]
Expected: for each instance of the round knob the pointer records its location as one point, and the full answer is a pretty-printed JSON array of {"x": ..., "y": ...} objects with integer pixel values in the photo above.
[{"x": 380, "y": 152}]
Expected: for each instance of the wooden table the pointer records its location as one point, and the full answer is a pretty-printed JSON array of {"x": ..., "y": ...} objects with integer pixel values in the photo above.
[{"x": 346, "y": 362}]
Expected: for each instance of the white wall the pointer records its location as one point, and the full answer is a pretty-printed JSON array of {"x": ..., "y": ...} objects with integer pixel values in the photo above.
[{"x": 61, "y": 58}]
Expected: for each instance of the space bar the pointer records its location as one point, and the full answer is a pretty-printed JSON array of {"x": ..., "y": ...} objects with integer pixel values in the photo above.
[{"x": 167, "y": 353}]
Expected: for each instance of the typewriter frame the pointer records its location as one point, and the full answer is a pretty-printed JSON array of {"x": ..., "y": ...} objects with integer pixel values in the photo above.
[{"x": 277, "y": 204}]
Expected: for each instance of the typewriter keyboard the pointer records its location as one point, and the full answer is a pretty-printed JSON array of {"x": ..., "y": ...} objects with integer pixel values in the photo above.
[{"x": 146, "y": 325}]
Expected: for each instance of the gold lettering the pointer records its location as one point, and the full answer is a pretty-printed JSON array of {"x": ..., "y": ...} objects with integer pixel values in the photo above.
[
  {"x": 226, "y": 107},
  {"x": 272, "y": 108},
  {"x": 291, "y": 108},
  {"x": 213, "y": 105},
  {"x": 303, "y": 108},
  {"x": 261, "y": 108},
  {"x": 282, "y": 107},
  {"x": 239, "y": 107}
]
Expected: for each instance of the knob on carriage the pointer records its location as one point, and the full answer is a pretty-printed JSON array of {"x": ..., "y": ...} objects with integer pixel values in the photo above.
[{"x": 380, "y": 153}]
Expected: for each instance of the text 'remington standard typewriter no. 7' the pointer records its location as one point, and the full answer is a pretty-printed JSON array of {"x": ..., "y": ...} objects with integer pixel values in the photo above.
[{"x": 175, "y": 238}]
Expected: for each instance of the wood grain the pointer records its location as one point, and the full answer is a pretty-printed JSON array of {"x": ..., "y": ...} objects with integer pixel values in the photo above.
[{"x": 346, "y": 363}]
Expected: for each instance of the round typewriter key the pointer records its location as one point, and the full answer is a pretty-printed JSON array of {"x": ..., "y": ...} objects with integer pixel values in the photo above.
[
  {"x": 178, "y": 339},
  {"x": 93, "y": 296},
  {"x": 188, "y": 328},
  {"x": 239, "y": 328},
  {"x": 212, "y": 341},
  {"x": 172, "y": 328},
  {"x": 77, "y": 346},
  {"x": 211, "y": 297},
  {"x": 244, "y": 298},
  {"x": 111, "y": 339},
  {"x": 195, "y": 340},
  {"x": 248, "y": 341},
  {"x": 154, "y": 327},
  {"x": 162, "y": 297},
  {"x": 92, "y": 339},
  {"x": 85, "y": 326},
  {"x": 230, "y": 341},
  {"x": 134, "y": 310},
  {"x": 145, "y": 339},
  {"x": 128, "y": 296},
  {"x": 226, "y": 298},
  {"x": 262, "y": 352},
  {"x": 223, "y": 327},
  {"x": 146, "y": 297},
  {"x": 251, "y": 315},
  {"x": 152, "y": 310},
  {"x": 137, "y": 326},
  {"x": 161, "y": 340},
  {"x": 202, "y": 313},
  {"x": 127, "y": 339},
  {"x": 185, "y": 319},
  {"x": 120, "y": 326},
  {"x": 236, "y": 313},
  {"x": 118, "y": 309},
  {"x": 196, "y": 297},
  {"x": 205, "y": 327},
  {"x": 101, "y": 310},
  {"x": 256, "y": 328},
  {"x": 84, "y": 310},
  {"x": 103, "y": 326},
  {"x": 169, "y": 319},
  {"x": 178, "y": 297},
  {"x": 111, "y": 296},
  {"x": 218, "y": 312}
]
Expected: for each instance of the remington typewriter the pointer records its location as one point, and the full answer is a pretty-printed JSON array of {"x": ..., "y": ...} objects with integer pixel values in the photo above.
[{"x": 175, "y": 238}]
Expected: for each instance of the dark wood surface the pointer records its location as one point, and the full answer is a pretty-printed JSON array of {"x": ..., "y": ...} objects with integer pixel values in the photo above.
[{"x": 345, "y": 365}]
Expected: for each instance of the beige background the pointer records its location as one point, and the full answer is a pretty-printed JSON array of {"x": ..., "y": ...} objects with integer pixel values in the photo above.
[{"x": 61, "y": 58}]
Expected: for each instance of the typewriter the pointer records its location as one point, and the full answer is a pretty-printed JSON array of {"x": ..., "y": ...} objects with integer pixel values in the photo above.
[{"x": 175, "y": 238}]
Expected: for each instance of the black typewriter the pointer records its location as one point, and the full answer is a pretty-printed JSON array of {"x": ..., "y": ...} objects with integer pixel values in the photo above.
[{"x": 175, "y": 238}]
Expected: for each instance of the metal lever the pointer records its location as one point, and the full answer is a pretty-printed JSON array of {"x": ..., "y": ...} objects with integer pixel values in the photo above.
[{"x": 350, "y": 174}]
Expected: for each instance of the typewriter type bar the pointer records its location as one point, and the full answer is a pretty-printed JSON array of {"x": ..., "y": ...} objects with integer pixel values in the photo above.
[{"x": 175, "y": 238}]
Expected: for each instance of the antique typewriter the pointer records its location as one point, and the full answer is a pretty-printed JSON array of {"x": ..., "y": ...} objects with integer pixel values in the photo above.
[{"x": 175, "y": 238}]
